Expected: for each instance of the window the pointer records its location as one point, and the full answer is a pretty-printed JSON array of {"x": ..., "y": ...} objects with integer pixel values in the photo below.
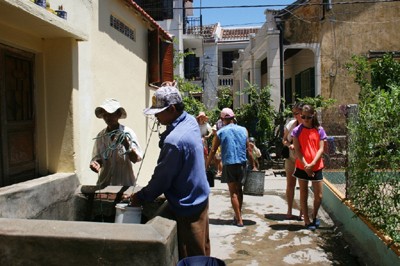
[
  {"x": 305, "y": 83},
  {"x": 264, "y": 66},
  {"x": 191, "y": 66},
  {"x": 160, "y": 59},
  {"x": 227, "y": 58},
  {"x": 288, "y": 91},
  {"x": 158, "y": 9}
]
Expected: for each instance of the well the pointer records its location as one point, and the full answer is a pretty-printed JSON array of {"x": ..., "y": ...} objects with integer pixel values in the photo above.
[{"x": 42, "y": 222}]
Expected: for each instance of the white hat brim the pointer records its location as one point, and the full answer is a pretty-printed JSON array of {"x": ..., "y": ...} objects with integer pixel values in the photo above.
[
  {"x": 153, "y": 111},
  {"x": 100, "y": 111}
]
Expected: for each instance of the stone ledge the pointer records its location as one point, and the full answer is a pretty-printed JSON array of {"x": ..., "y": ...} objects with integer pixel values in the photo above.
[{"x": 45, "y": 242}]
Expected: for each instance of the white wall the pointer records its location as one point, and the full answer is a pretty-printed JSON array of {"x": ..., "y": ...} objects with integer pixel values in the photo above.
[{"x": 114, "y": 66}]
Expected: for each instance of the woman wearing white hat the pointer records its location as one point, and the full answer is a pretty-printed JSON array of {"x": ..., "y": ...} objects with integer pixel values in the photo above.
[{"x": 115, "y": 149}]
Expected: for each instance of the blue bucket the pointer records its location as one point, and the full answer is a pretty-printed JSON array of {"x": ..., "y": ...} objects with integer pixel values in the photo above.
[{"x": 201, "y": 261}]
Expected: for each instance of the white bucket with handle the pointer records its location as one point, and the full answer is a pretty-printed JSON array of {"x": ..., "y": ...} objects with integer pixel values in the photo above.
[{"x": 127, "y": 214}]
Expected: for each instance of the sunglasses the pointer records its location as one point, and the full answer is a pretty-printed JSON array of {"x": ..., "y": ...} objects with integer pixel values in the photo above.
[{"x": 307, "y": 117}]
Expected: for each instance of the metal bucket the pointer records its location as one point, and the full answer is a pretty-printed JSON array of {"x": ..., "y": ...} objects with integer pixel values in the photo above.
[
  {"x": 254, "y": 183},
  {"x": 127, "y": 214}
]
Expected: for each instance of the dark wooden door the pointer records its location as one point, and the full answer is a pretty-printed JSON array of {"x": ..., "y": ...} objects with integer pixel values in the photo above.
[{"x": 17, "y": 122}]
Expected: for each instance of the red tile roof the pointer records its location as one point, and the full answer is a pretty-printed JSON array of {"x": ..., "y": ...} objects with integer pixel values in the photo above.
[
  {"x": 237, "y": 33},
  {"x": 149, "y": 19}
]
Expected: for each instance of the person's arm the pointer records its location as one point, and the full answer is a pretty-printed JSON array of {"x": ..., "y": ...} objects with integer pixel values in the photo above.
[
  {"x": 168, "y": 167},
  {"x": 214, "y": 147},
  {"x": 96, "y": 162},
  {"x": 318, "y": 155},
  {"x": 132, "y": 146},
  {"x": 209, "y": 130},
  {"x": 300, "y": 156},
  {"x": 285, "y": 141},
  {"x": 130, "y": 151},
  {"x": 249, "y": 149}
]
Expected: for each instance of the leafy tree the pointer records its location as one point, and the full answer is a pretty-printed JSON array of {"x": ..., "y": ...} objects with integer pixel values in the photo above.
[
  {"x": 258, "y": 116},
  {"x": 378, "y": 74}
]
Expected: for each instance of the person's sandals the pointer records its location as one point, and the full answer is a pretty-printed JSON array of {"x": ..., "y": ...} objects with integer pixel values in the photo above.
[
  {"x": 316, "y": 222},
  {"x": 235, "y": 222},
  {"x": 310, "y": 226}
]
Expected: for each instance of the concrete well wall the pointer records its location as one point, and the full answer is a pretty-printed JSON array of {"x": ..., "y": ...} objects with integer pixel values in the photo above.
[
  {"x": 45, "y": 242},
  {"x": 42, "y": 223}
]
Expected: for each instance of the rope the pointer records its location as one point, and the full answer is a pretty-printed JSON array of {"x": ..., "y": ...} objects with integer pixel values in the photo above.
[
  {"x": 120, "y": 137},
  {"x": 145, "y": 150}
]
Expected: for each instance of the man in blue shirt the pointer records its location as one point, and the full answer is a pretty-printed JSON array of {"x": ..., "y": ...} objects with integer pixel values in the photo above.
[
  {"x": 180, "y": 173},
  {"x": 234, "y": 151}
]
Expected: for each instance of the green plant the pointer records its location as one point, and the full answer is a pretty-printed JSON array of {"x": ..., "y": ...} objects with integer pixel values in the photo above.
[
  {"x": 258, "y": 116},
  {"x": 374, "y": 145},
  {"x": 192, "y": 105},
  {"x": 225, "y": 97}
]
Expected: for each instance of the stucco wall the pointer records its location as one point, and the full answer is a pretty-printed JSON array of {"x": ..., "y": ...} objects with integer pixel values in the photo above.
[
  {"x": 114, "y": 66},
  {"x": 345, "y": 30},
  {"x": 79, "y": 62}
]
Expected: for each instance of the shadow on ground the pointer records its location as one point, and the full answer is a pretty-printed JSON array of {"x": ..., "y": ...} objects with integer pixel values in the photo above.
[{"x": 230, "y": 222}]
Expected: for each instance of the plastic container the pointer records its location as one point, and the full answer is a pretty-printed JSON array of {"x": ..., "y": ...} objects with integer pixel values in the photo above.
[
  {"x": 201, "y": 261},
  {"x": 41, "y": 3},
  {"x": 254, "y": 183},
  {"x": 127, "y": 215}
]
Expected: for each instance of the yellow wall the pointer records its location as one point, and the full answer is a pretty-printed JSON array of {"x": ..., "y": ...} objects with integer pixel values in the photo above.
[{"x": 77, "y": 66}]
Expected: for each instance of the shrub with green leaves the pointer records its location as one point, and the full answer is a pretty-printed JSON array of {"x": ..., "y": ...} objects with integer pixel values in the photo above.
[
  {"x": 258, "y": 116},
  {"x": 374, "y": 145}
]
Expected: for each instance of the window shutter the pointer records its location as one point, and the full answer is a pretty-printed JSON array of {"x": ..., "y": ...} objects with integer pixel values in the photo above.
[
  {"x": 297, "y": 85},
  {"x": 154, "y": 57},
  {"x": 167, "y": 62},
  {"x": 312, "y": 81}
]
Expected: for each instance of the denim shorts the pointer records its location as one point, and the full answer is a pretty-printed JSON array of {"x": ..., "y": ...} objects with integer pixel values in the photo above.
[{"x": 301, "y": 174}]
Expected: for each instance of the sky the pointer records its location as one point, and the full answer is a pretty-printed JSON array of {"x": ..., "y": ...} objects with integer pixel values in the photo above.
[{"x": 236, "y": 17}]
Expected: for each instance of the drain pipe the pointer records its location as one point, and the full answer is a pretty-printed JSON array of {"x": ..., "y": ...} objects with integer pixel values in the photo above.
[{"x": 279, "y": 24}]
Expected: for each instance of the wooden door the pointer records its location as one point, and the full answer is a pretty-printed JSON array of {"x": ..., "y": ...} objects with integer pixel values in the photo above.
[{"x": 17, "y": 122}]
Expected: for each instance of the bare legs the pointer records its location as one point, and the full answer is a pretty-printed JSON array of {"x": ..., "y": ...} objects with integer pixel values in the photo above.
[
  {"x": 290, "y": 186},
  {"x": 236, "y": 193},
  {"x": 218, "y": 166},
  {"x": 317, "y": 187}
]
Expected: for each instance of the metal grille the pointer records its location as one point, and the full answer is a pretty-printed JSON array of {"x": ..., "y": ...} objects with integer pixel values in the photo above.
[{"x": 121, "y": 27}]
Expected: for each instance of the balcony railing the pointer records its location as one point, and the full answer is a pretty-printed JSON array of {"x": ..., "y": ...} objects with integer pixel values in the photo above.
[
  {"x": 225, "y": 80},
  {"x": 193, "y": 26}
]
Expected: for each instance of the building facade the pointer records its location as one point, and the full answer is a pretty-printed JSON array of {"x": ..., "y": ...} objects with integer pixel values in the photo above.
[
  {"x": 302, "y": 50},
  {"x": 54, "y": 72}
]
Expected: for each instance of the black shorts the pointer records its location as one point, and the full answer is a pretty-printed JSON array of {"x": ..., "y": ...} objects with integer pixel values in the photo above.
[
  {"x": 233, "y": 173},
  {"x": 301, "y": 174}
]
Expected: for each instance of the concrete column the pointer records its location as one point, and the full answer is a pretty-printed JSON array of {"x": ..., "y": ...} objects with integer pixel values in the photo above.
[{"x": 273, "y": 63}]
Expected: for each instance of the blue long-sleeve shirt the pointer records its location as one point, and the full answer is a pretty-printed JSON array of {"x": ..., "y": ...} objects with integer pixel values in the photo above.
[{"x": 180, "y": 172}]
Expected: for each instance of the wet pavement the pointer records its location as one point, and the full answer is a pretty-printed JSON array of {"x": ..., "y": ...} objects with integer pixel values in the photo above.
[{"x": 267, "y": 237}]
